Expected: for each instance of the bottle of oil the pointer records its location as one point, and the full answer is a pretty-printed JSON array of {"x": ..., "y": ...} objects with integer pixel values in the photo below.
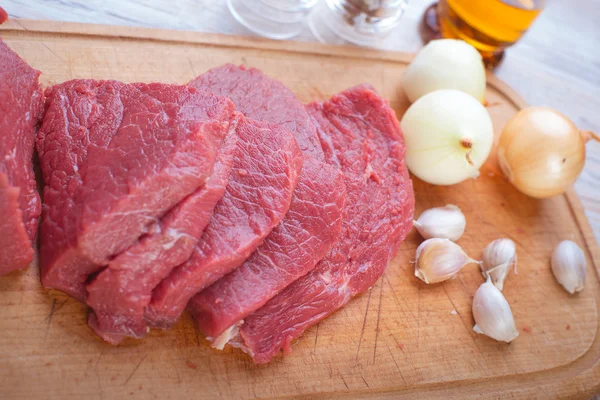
[{"x": 489, "y": 25}]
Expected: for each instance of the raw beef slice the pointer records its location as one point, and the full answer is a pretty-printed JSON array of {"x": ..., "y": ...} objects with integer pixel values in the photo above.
[
  {"x": 309, "y": 229},
  {"x": 120, "y": 293},
  {"x": 361, "y": 135},
  {"x": 15, "y": 247},
  {"x": 22, "y": 105},
  {"x": 115, "y": 157},
  {"x": 266, "y": 169},
  {"x": 3, "y": 15},
  {"x": 265, "y": 99}
]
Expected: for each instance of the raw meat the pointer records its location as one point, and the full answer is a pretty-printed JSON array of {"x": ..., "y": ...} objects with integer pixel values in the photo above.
[
  {"x": 120, "y": 293},
  {"x": 266, "y": 169},
  {"x": 265, "y": 99},
  {"x": 115, "y": 157},
  {"x": 22, "y": 105},
  {"x": 361, "y": 135},
  {"x": 15, "y": 247},
  {"x": 311, "y": 226},
  {"x": 291, "y": 250},
  {"x": 3, "y": 16}
]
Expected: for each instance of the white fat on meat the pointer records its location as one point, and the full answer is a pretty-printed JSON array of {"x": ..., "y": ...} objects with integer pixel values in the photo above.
[{"x": 229, "y": 335}]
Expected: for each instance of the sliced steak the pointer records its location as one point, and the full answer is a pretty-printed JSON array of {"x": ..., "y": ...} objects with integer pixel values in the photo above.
[
  {"x": 119, "y": 311},
  {"x": 265, "y": 99},
  {"x": 309, "y": 229},
  {"x": 15, "y": 247},
  {"x": 22, "y": 105},
  {"x": 120, "y": 293},
  {"x": 3, "y": 15},
  {"x": 361, "y": 135},
  {"x": 266, "y": 169},
  {"x": 115, "y": 157}
]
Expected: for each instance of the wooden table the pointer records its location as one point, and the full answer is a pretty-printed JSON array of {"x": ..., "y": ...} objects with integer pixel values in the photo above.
[{"x": 557, "y": 64}]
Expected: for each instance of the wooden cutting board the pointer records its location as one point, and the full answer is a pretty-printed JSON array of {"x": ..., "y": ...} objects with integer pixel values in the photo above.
[{"x": 402, "y": 339}]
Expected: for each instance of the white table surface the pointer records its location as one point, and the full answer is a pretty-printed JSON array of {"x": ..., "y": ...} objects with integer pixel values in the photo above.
[{"x": 556, "y": 64}]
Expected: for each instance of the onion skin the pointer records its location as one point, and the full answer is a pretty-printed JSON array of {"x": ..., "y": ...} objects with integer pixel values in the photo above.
[{"x": 541, "y": 152}]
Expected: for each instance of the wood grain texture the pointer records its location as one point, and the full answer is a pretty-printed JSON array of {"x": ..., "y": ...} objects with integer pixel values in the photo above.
[
  {"x": 402, "y": 339},
  {"x": 556, "y": 64}
]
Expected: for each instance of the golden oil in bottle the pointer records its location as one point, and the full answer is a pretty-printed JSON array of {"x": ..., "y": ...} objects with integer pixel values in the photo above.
[{"x": 489, "y": 25}]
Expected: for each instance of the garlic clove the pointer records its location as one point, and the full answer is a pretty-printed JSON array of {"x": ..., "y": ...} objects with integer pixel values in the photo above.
[
  {"x": 492, "y": 314},
  {"x": 568, "y": 266},
  {"x": 498, "y": 257},
  {"x": 439, "y": 260},
  {"x": 477, "y": 329},
  {"x": 441, "y": 222}
]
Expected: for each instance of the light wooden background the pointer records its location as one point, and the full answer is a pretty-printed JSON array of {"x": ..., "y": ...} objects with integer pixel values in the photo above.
[{"x": 556, "y": 64}]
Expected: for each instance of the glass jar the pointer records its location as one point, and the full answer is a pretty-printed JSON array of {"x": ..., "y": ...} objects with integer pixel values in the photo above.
[
  {"x": 275, "y": 19},
  {"x": 362, "y": 22}
]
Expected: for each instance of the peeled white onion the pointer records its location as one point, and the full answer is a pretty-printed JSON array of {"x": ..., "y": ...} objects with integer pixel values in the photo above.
[
  {"x": 445, "y": 64},
  {"x": 448, "y": 137},
  {"x": 542, "y": 152}
]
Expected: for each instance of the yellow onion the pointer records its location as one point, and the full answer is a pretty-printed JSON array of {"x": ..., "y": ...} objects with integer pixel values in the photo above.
[{"x": 542, "y": 152}]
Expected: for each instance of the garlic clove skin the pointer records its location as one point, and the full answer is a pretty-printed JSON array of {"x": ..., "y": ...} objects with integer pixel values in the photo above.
[
  {"x": 441, "y": 222},
  {"x": 492, "y": 314},
  {"x": 498, "y": 258},
  {"x": 568, "y": 266},
  {"x": 439, "y": 260}
]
